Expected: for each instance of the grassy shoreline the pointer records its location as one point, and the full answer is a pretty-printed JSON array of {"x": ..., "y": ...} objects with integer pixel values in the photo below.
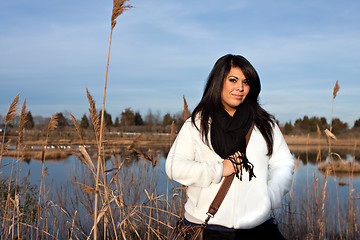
[{"x": 62, "y": 147}]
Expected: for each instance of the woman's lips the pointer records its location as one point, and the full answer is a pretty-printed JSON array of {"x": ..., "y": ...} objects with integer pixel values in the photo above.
[{"x": 237, "y": 96}]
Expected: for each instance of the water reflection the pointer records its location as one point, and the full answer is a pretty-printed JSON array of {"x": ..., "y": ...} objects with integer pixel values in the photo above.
[
  {"x": 141, "y": 173},
  {"x": 315, "y": 156},
  {"x": 60, "y": 170}
]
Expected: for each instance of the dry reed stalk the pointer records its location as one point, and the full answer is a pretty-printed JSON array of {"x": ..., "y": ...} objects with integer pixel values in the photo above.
[
  {"x": 353, "y": 161},
  {"x": 11, "y": 114},
  {"x": 146, "y": 156},
  {"x": 318, "y": 157},
  {"x": 32, "y": 227},
  {"x": 338, "y": 203},
  {"x": 331, "y": 136},
  {"x": 107, "y": 191},
  {"x": 7, "y": 203},
  {"x": 53, "y": 123},
  {"x": 172, "y": 133},
  {"x": 118, "y": 9},
  {"x": 322, "y": 220},
  {"x": 318, "y": 131},
  {"x": 21, "y": 128},
  {"x": 307, "y": 165},
  {"x": 157, "y": 215},
  {"x": 351, "y": 218},
  {"x": 135, "y": 142},
  {"x": 186, "y": 109},
  {"x": 89, "y": 161},
  {"x": 71, "y": 229},
  {"x": 335, "y": 91},
  {"x": 150, "y": 197},
  {"x": 294, "y": 180},
  {"x": 351, "y": 210},
  {"x": 86, "y": 189},
  {"x": 297, "y": 164},
  {"x": 98, "y": 131}
]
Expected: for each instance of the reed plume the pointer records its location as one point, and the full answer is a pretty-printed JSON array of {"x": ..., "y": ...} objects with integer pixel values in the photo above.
[
  {"x": 94, "y": 115},
  {"x": 318, "y": 130},
  {"x": 118, "y": 9},
  {"x": 22, "y": 122},
  {"x": 12, "y": 110},
  {"x": 53, "y": 123},
  {"x": 87, "y": 159},
  {"x": 4, "y": 148},
  {"x": 330, "y": 134},
  {"x": 186, "y": 109},
  {"x": 336, "y": 89},
  {"x": 9, "y": 116},
  {"x": 77, "y": 127}
]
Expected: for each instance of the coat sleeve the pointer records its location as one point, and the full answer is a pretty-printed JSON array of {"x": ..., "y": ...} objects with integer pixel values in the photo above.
[
  {"x": 185, "y": 166},
  {"x": 281, "y": 169}
]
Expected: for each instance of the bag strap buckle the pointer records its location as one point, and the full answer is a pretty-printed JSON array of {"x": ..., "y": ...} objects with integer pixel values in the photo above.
[{"x": 209, "y": 215}]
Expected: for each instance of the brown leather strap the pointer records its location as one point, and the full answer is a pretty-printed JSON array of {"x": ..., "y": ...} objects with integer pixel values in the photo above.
[{"x": 224, "y": 188}]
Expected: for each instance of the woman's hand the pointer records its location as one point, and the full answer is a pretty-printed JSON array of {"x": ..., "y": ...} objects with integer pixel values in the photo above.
[{"x": 229, "y": 166}]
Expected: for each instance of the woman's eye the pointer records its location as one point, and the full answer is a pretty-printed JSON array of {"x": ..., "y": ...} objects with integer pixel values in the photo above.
[
  {"x": 246, "y": 82},
  {"x": 232, "y": 79}
]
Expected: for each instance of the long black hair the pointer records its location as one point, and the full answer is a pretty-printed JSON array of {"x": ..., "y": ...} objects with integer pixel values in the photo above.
[{"x": 211, "y": 99}]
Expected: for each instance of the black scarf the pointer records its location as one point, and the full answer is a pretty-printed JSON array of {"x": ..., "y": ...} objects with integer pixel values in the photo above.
[{"x": 228, "y": 134}]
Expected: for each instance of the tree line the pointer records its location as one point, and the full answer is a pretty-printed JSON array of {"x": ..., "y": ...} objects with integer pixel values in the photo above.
[
  {"x": 314, "y": 124},
  {"x": 130, "y": 118}
]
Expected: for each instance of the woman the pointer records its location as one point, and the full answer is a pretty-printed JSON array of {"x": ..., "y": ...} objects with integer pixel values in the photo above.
[{"x": 211, "y": 145}]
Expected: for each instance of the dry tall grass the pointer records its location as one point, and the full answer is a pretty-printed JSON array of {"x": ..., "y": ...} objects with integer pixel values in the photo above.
[
  {"x": 325, "y": 218},
  {"x": 8, "y": 211},
  {"x": 133, "y": 206},
  {"x": 118, "y": 8}
]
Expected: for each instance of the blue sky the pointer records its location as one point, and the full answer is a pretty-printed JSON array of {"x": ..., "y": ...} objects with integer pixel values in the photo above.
[{"x": 51, "y": 51}]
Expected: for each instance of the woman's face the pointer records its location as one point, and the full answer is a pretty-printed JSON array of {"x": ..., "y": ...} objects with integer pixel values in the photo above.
[{"x": 235, "y": 89}]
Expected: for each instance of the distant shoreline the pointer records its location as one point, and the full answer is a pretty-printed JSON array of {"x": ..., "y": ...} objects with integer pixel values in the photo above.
[{"x": 60, "y": 147}]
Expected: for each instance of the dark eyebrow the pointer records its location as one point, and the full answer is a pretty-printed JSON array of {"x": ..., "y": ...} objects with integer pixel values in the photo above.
[{"x": 234, "y": 77}]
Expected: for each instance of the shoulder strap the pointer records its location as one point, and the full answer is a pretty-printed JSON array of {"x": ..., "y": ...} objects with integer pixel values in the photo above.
[{"x": 224, "y": 188}]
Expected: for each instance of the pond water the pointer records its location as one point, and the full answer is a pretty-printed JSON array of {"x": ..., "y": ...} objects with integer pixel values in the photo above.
[{"x": 60, "y": 172}]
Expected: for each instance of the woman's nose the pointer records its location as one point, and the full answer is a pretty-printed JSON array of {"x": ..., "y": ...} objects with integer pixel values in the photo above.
[{"x": 240, "y": 86}]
